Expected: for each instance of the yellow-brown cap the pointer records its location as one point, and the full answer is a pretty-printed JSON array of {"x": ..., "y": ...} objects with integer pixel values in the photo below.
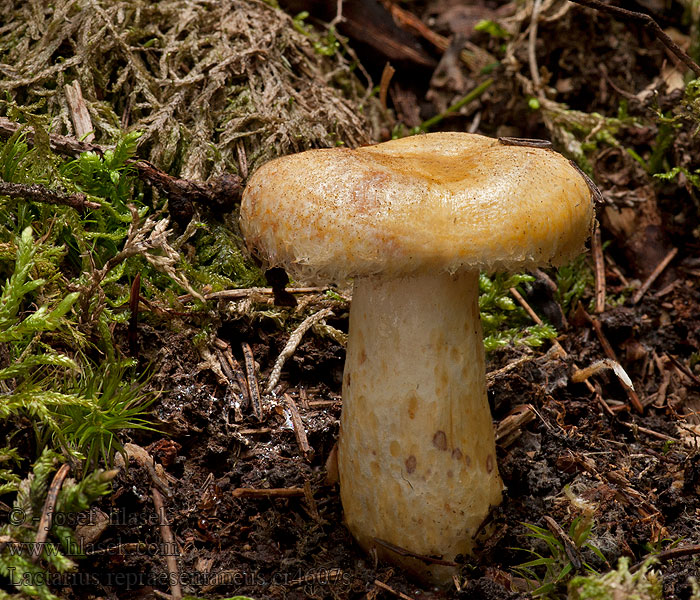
[{"x": 440, "y": 201}]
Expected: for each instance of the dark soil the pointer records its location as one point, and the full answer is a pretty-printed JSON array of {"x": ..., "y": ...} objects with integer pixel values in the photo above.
[{"x": 584, "y": 454}]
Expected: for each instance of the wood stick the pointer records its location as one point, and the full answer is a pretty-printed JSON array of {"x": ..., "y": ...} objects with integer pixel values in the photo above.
[
  {"x": 253, "y": 389},
  {"x": 386, "y": 588},
  {"x": 669, "y": 554},
  {"x": 649, "y": 23},
  {"x": 239, "y": 293},
  {"x": 268, "y": 493},
  {"x": 42, "y": 532},
  {"x": 652, "y": 278},
  {"x": 39, "y": 193},
  {"x": 79, "y": 112},
  {"x": 299, "y": 431},
  {"x": 599, "y": 261},
  {"x": 222, "y": 192},
  {"x": 170, "y": 545},
  {"x": 610, "y": 353}
]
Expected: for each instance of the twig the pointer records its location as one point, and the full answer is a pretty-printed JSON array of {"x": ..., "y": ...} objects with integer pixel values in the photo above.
[
  {"x": 571, "y": 551},
  {"x": 610, "y": 353},
  {"x": 649, "y": 23},
  {"x": 387, "y": 74},
  {"x": 410, "y": 21},
  {"x": 492, "y": 375},
  {"x": 299, "y": 431},
  {"x": 253, "y": 389},
  {"x": 237, "y": 294},
  {"x": 657, "y": 434},
  {"x": 79, "y": 112},
  {"x": 532, "y": 41},
  {"x": 292, "y": 344},
  {"x": 685, "y": 370},
  {"x": 311, "y": 501},
  {"x": 233, "y": 375},
  {"x": 403, "y": 552},
  {"x": 38, "y": 193},
  {"x": 669, "y": 554},
  {"x": 510, "y": 428},
  {"x": 132, "y": 331},
  {"x": 222, "y": 192},
  {"x": 471, "y": 96},
  {"x": 599, "y": 261},
  {"x": 386, "y": 588},
  {"x": 42, "y": 532},
  {"x": 560, "y": 349},
  {"x": 654, "y": 275},
  {"x": 170, "y": 545},
  {"x": 602, "y": 365},
  {"x": 143, "y": 458},
  {"x": 268, "y": 493}
]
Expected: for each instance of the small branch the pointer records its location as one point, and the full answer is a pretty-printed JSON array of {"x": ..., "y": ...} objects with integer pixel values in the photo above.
[
  {"x": 657, "y": 434},
  {"x": 268, "y": 493},
  {"x": 170, "y": 545},
  {"x": 292, "y": 344},
  {"x": 239, "y": 293},
  {"x": 683, "y": 369},
  {"x": 220, "y": 193},
  {"x": 232, "y": 370},
  {"x": 431, "y": 560},
  {"x": 532, "y": 42},
  {"x": 569, "y": 547},
  {"x": 599, "y": 261},
  {"x": 39, "y": 193},
  {"x": 386, "y": 588},
  {"x": 649, "y": 23},
  {"x": 470, "y": 97},
  {"x": 387, "y": 74},
  {"x": 79, "y": 112},
  {"x": 42, "y": 532},
  {"x": 610, "y": 353},
  {"x": 253, "y": 389},
  {"x": 653, "y": 277},
  {"x": 299, "y": 431},
  {"x": 670, "y": 554}
]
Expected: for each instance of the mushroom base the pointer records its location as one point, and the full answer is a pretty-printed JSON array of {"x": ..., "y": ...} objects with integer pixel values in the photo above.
[{"x": 416, "y": 455}]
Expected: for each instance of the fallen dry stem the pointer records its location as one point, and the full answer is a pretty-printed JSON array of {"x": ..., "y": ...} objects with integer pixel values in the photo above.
[
  {"x": 291, "y": 492},
  {"x": 170, "y": 544},
  {"x": 252, "y": 380},
  {"x": 44, "y": 526},
  {"x": 654, "y": 275},
  {"x": 38, "y": 193},
  {"x": 292, "y": 344},
  {"x": 599, "y": 262},
  {"x": 649, "y": 23}
]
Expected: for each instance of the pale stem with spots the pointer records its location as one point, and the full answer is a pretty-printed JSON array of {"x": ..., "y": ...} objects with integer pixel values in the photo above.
[{"x": 417, "y": 457}]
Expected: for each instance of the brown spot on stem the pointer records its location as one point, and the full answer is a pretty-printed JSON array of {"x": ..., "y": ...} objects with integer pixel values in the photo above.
[
  {"x": 395, "y": 448},
  {"x": 363, "y": 356},
  {"x": 468, "y": 460},
  {"x": 347, "y": 380},
  {"x": 450, "y": 474},
  {"x": 457, "y": 454},
  {"x": 411, "y": 464},
  {"x": 412, "y": 406},
  {"x": 440, "y": 440},
  {"x": 489, "y": 463}
]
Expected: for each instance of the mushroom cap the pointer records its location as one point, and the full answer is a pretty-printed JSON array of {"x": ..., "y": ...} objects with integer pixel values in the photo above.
[{"x": 439, "y": 201}]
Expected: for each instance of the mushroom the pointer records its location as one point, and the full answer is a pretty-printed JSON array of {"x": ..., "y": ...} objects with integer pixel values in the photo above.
[{"x": 412, "y": 221}]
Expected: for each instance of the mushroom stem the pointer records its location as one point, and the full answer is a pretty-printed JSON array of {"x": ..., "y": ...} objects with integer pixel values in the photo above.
[{"x": 417, "y": 457}]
